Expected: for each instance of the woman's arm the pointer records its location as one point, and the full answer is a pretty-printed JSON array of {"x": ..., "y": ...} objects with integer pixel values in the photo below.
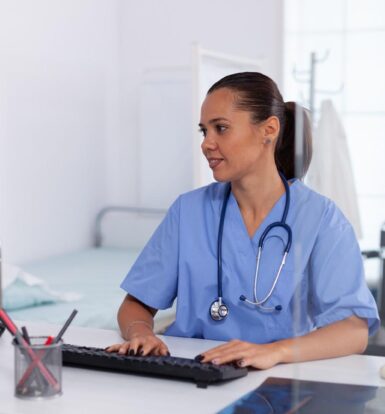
[
  {"x": 136, "y": 322},
  {"x": 345, "y": 337},
  {"x": 135, "y": 317},
  {"x": 349, "y": 336}
]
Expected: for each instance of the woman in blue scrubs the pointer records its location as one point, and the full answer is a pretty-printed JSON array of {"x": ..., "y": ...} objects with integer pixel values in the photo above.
[{"x": 260, "y": 300}]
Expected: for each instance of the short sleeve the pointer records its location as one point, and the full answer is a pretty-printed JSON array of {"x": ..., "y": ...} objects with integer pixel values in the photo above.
[
  {"x": 338, "y": 286},
  {"x": 153, "y": 277}
]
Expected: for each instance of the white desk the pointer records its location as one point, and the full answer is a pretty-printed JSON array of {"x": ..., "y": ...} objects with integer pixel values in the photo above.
[{"x": 102, "y": 392}]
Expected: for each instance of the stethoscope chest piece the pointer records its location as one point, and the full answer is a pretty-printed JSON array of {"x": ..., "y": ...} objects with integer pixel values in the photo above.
[{"x": 218, "y": 310}]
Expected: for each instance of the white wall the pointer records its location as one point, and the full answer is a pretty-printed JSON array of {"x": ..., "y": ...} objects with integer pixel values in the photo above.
[
  {"x": 161, "y": 33},
  {"x": 57, "y": 86},
  {"x": 69, "y": 101}
]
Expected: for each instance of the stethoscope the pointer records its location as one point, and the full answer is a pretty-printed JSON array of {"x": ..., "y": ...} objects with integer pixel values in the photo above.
[{"x": 218, "y": 309}]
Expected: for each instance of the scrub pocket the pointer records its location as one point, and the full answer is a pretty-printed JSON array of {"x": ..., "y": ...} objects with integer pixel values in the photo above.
[{"x": 291, "y": 292}]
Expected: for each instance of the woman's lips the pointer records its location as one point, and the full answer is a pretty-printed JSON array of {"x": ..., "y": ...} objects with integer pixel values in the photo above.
[{"x": 214, "y": 162}]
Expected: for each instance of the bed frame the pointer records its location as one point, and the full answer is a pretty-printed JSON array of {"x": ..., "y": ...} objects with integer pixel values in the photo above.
[
  {"x": 98, "y": 236},
  {"x": 99, "y": 239}
]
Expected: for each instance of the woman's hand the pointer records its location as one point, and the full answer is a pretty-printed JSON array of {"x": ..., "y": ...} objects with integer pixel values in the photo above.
[
  {"x": 140, "y": 341},
  {"x": 143, "y": 344},
  {"x": 345, "y": 337},
  {"x": 245, "y": 354}
]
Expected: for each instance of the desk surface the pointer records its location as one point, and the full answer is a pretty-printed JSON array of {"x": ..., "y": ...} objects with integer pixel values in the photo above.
[{"x": 99, "y": 392}]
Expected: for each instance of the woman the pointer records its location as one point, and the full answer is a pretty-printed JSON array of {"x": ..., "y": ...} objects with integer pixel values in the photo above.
[{"x": 310, "y": 303}]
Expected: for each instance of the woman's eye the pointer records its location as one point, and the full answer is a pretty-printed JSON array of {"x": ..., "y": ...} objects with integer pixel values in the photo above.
[
  {"x": 203, "y": 131},
  {"x": 220, "y": 129}
]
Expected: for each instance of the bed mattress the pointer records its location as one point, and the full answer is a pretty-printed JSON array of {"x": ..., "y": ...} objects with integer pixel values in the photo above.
[{"x": 94, "y": 273}]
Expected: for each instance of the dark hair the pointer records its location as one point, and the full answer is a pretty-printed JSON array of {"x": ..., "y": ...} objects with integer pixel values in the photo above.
[{"x": 259, "y": 95}]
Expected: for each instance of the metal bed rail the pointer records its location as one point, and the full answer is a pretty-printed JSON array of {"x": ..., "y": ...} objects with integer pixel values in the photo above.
[{"x": 98, "y": 236}]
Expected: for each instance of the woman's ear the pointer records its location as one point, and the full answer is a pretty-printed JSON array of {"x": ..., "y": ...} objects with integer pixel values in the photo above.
[{"x": 270, "y": 129}]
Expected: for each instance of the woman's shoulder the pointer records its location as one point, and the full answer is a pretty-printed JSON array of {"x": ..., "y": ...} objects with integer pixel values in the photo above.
[
  {"x": 197, "y": 203},
  {"x": 321, "y": 208},
  {"x": 211, "y": 192}
]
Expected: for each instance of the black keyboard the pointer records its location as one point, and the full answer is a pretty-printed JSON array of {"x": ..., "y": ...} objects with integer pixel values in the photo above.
[{"x": 173, "y": 367}]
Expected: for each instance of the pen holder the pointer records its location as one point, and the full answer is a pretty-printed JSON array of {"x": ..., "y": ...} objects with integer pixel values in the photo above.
[{"x": 38, "y": 369}]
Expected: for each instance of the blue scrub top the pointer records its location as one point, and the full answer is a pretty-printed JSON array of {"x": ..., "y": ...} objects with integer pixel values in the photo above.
[{"x": 322, "y": 281}]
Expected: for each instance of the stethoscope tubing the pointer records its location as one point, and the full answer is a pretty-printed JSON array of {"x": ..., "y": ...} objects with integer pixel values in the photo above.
[
  {"x": 219, "y": 242},
  {"x": 281, "y": 224}
]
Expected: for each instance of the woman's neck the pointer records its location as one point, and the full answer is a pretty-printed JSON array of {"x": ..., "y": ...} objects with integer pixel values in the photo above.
[{"x": 256, "y": 196}]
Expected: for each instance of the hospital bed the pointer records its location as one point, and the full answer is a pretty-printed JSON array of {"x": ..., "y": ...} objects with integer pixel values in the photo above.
[{"x": 96, "y": 273}]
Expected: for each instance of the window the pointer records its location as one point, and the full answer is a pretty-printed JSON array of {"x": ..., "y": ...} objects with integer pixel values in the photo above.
[{"x": 351, "y": 35}]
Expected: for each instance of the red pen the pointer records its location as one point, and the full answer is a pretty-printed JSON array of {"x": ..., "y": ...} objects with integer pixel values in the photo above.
[{"x": 49, "y": 340}]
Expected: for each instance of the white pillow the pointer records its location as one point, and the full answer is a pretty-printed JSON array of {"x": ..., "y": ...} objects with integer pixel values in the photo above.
[{"x": 23, "y": 290}]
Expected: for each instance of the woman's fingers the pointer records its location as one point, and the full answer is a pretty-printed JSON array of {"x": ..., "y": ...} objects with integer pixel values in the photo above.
[
  {"x": 234, "y": 356},
  {"x": 163, "y": 350},
  {"x": 150, "y": 346},
  {"x": 222, "y": 350},
  {"x": 124, "y": 348},
  {"x": 244, "y": 354},
  {"x": 114, "y": 347},
  {"x": 141, "y": 345}
]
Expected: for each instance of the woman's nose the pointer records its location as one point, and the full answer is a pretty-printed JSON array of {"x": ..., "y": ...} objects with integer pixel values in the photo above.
[{"x": 208, "y": 143}]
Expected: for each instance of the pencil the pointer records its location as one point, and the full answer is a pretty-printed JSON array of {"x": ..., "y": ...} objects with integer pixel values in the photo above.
[
  {"x": 25, "y": 334},
  {"x": 65, "y": 326}
]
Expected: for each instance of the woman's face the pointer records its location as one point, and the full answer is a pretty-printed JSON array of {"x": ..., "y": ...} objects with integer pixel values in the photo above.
[{"x": 232, "y": 144}]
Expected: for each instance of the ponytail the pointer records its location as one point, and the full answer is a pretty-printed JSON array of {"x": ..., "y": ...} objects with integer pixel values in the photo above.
[{"x": 292, "y": 164}]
